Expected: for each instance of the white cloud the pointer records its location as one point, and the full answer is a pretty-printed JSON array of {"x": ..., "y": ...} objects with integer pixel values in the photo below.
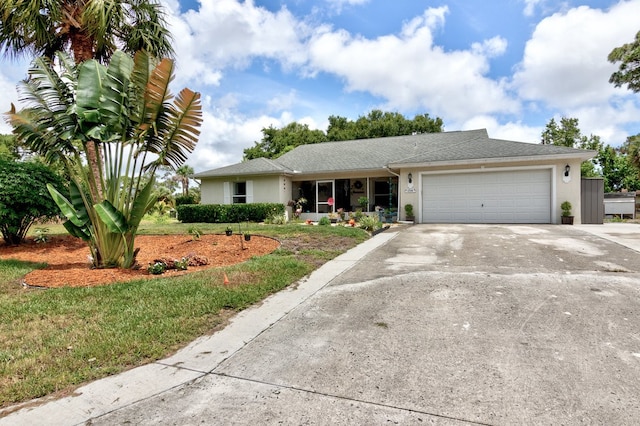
[
  {"x": 607, "y": 120},
  {"x": 565, "y": 62},
  {"x": 516, "y": 131},
  {"x": 410, "y": 72},
  {"x": 283, "y": 101},
  {"x": 230, "y": 33},
  {"x": 338, "y": 5},
  {"x": 225, "y": 133},
  {"x": 530, "y": 6}
]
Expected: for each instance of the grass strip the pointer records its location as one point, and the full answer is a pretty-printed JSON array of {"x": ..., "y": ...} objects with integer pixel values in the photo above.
[{"x": 54, "y": 340}]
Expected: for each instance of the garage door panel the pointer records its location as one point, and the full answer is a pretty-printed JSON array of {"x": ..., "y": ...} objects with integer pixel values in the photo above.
[{"x": 522, "y": 196}]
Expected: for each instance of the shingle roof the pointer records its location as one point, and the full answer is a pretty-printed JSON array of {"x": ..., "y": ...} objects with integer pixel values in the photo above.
[
  {"x": 372, "y": 154},
  {"x": 490, "y": 149},
  {"x": 257, "y": 166}
]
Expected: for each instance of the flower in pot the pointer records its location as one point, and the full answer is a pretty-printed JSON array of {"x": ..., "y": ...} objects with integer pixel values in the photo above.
[
  {"x": 567, "y": 219},
  {"x": 228, "y": 231}
]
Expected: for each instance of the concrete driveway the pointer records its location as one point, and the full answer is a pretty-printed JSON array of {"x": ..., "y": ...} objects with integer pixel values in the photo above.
[{"x": 436, "y": 324}]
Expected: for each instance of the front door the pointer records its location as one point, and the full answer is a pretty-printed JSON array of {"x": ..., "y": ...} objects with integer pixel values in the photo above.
[{"x": 325, "y": 199}]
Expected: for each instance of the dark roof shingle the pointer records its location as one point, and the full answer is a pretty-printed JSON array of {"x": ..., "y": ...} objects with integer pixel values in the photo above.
[{"x": 372, "y": 154}]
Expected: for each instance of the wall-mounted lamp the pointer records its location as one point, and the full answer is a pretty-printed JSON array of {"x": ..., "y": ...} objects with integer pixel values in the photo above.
[
  {"x": 567, "y": 169},
  {"x": 410, "y": 178}
]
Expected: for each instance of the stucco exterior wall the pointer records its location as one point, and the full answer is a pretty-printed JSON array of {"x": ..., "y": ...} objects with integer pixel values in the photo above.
[{"x": 265, "y": 189}]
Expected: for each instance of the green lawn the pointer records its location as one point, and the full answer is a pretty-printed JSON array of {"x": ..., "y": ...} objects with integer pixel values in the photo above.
[{"x": 53, "y": 340}]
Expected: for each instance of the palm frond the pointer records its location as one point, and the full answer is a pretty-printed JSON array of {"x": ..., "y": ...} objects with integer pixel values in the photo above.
[{"x": 179, "y": 129}]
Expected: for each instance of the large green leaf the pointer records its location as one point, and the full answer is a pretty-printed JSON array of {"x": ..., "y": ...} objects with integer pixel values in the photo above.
[
  {"x": 112, "y": 217},
  {"x": 89, "y": 89},
  {"x": 78, "y": 202},
  {"x": 141, "y": 204},
  {"x": 65, "y": 206},
  {"x": 114, "y": 106},
  {"x": 76, "y": 231}
]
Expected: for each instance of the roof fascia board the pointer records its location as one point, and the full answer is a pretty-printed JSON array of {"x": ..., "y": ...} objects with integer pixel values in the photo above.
[
  {"x": 223, "y": 176},
  {"x": 582, "y": 156}
]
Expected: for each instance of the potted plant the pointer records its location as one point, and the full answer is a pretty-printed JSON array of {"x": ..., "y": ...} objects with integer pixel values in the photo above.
[
  {"x": 247, "y": 236},
  {"x": 228, "y": 231},
  {"x": 364, "y": 203},
  {"x": 408, "y": 212},
  {"x": 567, "y": 219}
]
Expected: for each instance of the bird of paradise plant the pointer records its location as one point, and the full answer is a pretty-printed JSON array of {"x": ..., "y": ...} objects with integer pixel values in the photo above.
[{"x": 124, "y": 113}]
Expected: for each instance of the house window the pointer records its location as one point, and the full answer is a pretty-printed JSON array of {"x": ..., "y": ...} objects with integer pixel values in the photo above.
[{"x": 239, "y": 192}]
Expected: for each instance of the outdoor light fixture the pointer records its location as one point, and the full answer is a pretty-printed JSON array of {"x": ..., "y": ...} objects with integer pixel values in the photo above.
[
  {"x": 410, "y": 177},
  {"x": 567, "y": 169}
]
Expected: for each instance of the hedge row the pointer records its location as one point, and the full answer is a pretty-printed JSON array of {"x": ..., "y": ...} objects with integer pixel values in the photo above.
[{"x": 227, "y": 213}]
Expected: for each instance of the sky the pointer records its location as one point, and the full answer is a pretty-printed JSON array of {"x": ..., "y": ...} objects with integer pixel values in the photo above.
[{"x": 505, "y": 65}]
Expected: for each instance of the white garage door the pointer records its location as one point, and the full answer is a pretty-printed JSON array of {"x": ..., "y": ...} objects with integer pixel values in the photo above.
[{"x": 491, "y": 197}]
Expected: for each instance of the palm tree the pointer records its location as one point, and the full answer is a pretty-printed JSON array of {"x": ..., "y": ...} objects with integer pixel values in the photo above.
[
  {"x": 123, "y": 110},
  {"x": 182, "y": 175},
  {"x": 89, "y": 29}
]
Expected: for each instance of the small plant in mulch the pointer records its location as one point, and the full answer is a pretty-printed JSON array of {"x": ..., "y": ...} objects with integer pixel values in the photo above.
[
  {"x": 194, "y": 232},
  {"x": 157, "y": 268},
  {"x": 182, "y": 264},
  {"x": 41, "y": 235}
]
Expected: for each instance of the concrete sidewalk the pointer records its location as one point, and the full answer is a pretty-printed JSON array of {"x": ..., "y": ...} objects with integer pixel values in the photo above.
[
  {"x": 626, "y": 234},
  {"x": 193, "y": 362}
]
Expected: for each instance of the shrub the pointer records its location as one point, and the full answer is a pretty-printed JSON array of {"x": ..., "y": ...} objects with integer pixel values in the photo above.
[
  {"x": 370, "y": 223},
  {"x": 228, "y": 213},
  {"x": 24, "y": 197},
  {"x": 186, "y": 199},
  {"x": 276, "y": 219},
  {"x": 408, "y": 209},
  {"x": 364, "y": 203},
  {"x": 324, "y": 221}
]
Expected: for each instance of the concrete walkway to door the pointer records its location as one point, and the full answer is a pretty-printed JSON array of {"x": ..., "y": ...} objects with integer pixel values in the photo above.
[{"x": 437, "y": 324}]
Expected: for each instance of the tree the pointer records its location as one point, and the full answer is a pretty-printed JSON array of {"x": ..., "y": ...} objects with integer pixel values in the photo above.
[
  {"x": 90, "y": 29},
  {"x": 618, "y": 171},
  {"x": 277, "y": 142},
  {"x": 24, "y": 197},
  {"x": 629, "y": 70},
  {"x": 123, "y": 110},
  {"x": 568, "y": 134},
  {"x": 182, "y": 175},
  {"x": 631, "y": 148},
  {"x": 8, "y": 148},
  {"x": 376, "y": 124}
]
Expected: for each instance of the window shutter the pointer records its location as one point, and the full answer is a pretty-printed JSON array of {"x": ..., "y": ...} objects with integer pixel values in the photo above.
[
  {"x": 226, "y": 193},
  {"x": 249, "y": 191}
]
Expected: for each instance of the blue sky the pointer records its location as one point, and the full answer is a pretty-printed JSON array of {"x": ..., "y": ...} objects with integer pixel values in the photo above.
[{"x": 505, "y": 65}]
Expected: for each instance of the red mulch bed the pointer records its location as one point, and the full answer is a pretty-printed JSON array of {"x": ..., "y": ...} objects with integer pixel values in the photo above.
[{"x": 68, "y": 257}]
